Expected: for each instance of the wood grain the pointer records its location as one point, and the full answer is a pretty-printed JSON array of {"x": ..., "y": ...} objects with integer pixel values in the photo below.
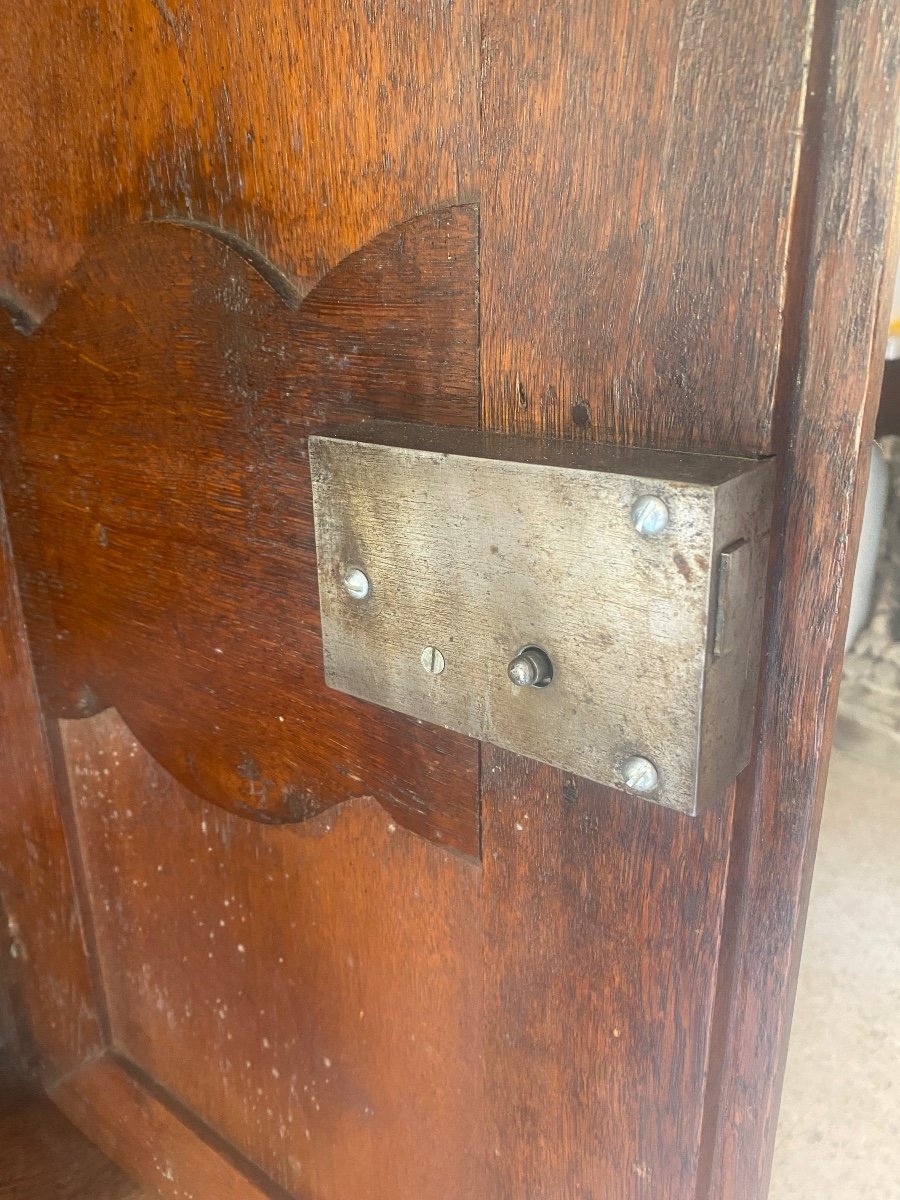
[
  {"x": 602, "y": 917},
  {"x": 639, "y": 163},
  {"x": 311, "y": 991},
  {"x": 683, "y": 214},
  {"x": 170, "y": 1154},
  {"x": 305, "y": 129},
  {"x": 844, "y": 268},
  {"x": 641, "y": 169},
  {"x": 43, "y": 1157},
  {"x": 159, "y": 500},
  {"x": 42, "y": 947}
]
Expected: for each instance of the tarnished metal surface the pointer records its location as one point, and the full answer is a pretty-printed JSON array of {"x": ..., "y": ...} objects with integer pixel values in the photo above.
[{"x": 478, "y": 546}]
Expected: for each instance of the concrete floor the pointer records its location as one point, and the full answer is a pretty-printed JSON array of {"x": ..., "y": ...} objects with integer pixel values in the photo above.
[{"x": 839, "y": 1134}]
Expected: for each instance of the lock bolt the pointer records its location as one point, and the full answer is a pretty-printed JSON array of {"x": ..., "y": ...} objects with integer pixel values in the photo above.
[{"x": 531, "y": 668}]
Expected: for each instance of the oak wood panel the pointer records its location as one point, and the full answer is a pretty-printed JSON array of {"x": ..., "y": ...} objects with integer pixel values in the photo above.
[
  {"x": 641, "y": 167},
  {"x": 44, "y": 955},
  {"x": 845, "y": 266},
  {"x": 312, "y": 991},
  {"x": 166, "y": 1149},
  {"x": 160, "y": 504},
  {"x": 306, "y": 129},
  {"x": 602, "y": 918},
  {"x": 640, "y": 180},
  {"x": 638, "y": 173}
]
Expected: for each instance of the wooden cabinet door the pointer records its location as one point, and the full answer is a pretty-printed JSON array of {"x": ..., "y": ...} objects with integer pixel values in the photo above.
[{"x": 266, "y": 940}]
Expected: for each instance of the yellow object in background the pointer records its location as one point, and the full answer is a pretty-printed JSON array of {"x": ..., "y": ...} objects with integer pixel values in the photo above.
[{"x": 893, "y": 346}]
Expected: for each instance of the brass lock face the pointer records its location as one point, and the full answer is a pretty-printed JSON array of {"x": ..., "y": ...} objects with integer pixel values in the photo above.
[{"x": 597, "y": 608}]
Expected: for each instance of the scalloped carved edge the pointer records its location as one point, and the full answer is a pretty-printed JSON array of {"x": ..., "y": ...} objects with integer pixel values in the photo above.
[{"x": 427, "y": 779}]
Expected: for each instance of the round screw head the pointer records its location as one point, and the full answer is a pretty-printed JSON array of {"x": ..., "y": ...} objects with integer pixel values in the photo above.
[
  {"x": 649, "y": 515},
  {"x": 640, "y": 775},
  {"x": 530, "y": 668},
  {"x": 432, "y": 660},
  {"x": 356, "y": 584}
]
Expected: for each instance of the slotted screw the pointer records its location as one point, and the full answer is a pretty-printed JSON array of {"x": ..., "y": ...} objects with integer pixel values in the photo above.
[
  {"x": 640, "y": 775},
  {"x": 432, "y": 660},
  {"x": 649, "y": 515},
  {"x": 356, "y": 584}
]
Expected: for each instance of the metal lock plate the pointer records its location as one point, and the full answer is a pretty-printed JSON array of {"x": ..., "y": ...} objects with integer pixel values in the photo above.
[{"x": 639, "y": 574}]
